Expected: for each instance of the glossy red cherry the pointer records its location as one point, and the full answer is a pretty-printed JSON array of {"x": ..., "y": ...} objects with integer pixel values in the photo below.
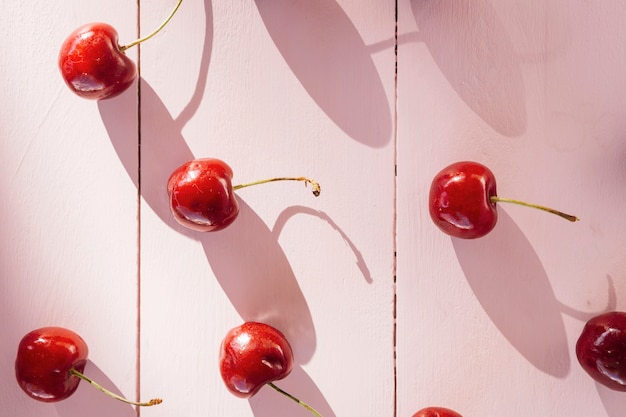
[
  {"x": 94, "y": 65},
  {"x": 436, "y": 412},
  {"x": 462, "y": 200},
  {"x": 45, "y": 358},
  {"x": 50, "y": 363},
  {"x": 601, "y": 349},
  {"x": 201, "y": 194},
  {"x": 253, "y": 355}
]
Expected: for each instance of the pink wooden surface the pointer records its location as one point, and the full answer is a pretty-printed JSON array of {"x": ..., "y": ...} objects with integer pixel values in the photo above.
[
  {"x": 276, "y": 87},
  {"x": 533, "y": 89}
]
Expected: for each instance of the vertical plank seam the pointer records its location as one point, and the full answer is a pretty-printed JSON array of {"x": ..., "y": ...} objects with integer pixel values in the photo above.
[
  {"x": 395, "y": 215},
  {"x": 138, "y": 335}
]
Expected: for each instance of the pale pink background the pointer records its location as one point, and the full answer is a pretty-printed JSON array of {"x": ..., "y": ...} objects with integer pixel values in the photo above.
[{"x": 533, "y": 89}]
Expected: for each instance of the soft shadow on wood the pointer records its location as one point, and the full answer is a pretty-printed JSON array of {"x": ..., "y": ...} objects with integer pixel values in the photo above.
[
  {"x": 473, "y": 50},
  {"x": 89, "y": 401},
  {"x": 268, "y": 403},
  {"x": 294, "y": 210},
  {"x": 614, "y": 402},
  {"x": 513, "y": 288},
  {"x": 326, "y": 53},
  {"x": 246, "y": 257}
]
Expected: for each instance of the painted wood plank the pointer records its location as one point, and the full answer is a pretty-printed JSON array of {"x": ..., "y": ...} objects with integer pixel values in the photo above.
[
  {"x": 532, "y": 90},
  {"x": 274, "y": 88},
  {"x": 69, "y": 211}
]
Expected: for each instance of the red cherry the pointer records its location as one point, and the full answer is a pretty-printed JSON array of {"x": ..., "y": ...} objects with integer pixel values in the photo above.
[
  {"x": 601, "y": 349},
  {"x": 50, "y": 363},
  {"x": 253, "y": 355},
  {"x": 94, "y": 65},
  {"x": 202, "y": 197},
  {"x": 436, "y": 412},
  {"x": 45, "y": 358},
  {"x": 462, "y": 200}
]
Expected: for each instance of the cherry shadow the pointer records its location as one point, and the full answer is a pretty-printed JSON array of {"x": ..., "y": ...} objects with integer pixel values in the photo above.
[
  {"x": 88, "y": 400},
  {"x": 267, "y": 401},
  {"x": 325, "y": 52},
  {"x": 246, "y": 258},
  {"x": 614, "y": 402},
  {"x": 474, "y": 52},
  {"x": 288, "y": 213},
  {"x": 509, "y": 281},
  {"x": 255, "y": 274}
]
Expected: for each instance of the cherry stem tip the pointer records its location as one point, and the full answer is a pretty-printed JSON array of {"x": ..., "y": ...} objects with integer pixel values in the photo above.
[
  {"x": 302, "y": 403},
  {"x": 93, "y": 383},
  {"x": 571, "y": 218}
]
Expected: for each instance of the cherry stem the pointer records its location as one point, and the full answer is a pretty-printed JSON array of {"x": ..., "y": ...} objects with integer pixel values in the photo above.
[
  {"x": 157, "y": 30},
  {"x": 316, "y": 187},
  {"x": 80, "y": 375},
  {"x": 495, "y": 199},
  {"x": 302, "y": 403}
]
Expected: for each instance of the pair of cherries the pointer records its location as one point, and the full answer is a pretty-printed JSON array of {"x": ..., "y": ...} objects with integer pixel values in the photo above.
[
  {"x": 51, "y": 360},
  {"x": 95, "y": 66},
  {"x": 462, "y": 203}
]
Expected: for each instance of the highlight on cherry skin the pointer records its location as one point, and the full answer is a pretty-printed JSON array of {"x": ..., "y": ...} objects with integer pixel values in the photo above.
[
  {"x": 253, "y": 355},
  {"x": 201, "y": 194},
  {"x": 463, "y": 198},
  {"x": 93, "y": 64},
  {"x": 436, "y": 412},
  {"x": 601, "y": 349},
  {"x": 50, "y": 363}
]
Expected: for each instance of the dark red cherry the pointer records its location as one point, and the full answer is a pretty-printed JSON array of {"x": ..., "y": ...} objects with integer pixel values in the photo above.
[
  {"x": 601, "y": 349},
  {"x": 44, "y": 360},
  {"x": 50, "y": 363},
  {"x": 436, "y": 412},
  {"x": 93, "y": 64},
  {"x": 253, "y": 355},
  {"x": 201, "y": 194},
  {"x": 462, "y": 200}
]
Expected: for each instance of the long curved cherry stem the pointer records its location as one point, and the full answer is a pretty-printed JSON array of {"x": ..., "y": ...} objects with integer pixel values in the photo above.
[
  {"x": 495, "y": 199},
  {"x": 302, "y": 403},
  {"x": 157, "y": 30},
  {"x": 316, "y": 187},
  {"x": 80, "y": 375}
]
